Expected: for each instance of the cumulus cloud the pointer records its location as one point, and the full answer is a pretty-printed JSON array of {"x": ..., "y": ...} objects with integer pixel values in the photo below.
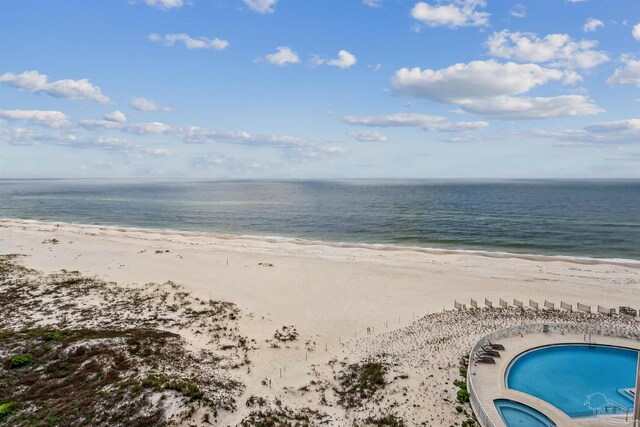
[
  {"x": 36, "y": 82},
  {"x": 455, "y": 13},
  {"x": 345, "y": 60},
  {"x": 488, "y": 88},
  {"x": 591, "y": 25},
  {"x": 476, "y": 79},
  {"x": 51, "y": 119},
  {"x": 261, "y": 6},
  {"x": 518, "y": 11},
  {"x": 368, "y": 136},
  {"x": 628, "y": 74},
  {"x": 117, "y": 116},
  {"x": 635, "y": 31},
  {"x": 189, "y": 42},
  {"x": 283, "y": 56},
  {"x": 558, "y": 50},
  {"x": 165, "y": 4},
  {"x": 423, "y": 121},
  {"x": 143, "y": 104}
]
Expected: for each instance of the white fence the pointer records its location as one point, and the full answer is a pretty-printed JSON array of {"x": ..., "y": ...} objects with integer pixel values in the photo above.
[{"x": 535, "y": 328}]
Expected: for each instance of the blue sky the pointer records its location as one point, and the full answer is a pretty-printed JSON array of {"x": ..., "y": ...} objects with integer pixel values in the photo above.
[{"x": 320, "y": 89}]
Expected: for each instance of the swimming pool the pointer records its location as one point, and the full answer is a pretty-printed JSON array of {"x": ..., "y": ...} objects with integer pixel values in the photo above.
[
  {"x": 515, "y": 414},
  {"x": 581, "y": 380}
]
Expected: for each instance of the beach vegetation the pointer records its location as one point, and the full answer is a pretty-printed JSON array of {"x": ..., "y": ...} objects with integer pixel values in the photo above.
[
  {"x": 20, "y": 360},
  {"x": 360, "y": 381},
  {"x": 462, "y": 396},
  {"x": 104, "y": 353},
  {"x": 387, "y": 420},
  {"x": 282, "y": 416},
  {"x": 286, "y": 333},
  {"x": 6, "y": 409}
]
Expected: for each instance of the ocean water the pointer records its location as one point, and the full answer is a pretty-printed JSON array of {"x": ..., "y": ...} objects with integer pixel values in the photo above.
[{"x": 599, "y": 219}]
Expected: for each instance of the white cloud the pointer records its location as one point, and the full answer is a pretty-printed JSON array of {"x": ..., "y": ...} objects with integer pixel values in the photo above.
[
  {"x": 157, "y": 151},
  {"x": 143, "y": 104},
  {"x": 284, "y": 55},
  {"x": 165, "y": 4},
  {"x": 423, "y": 121},
  {"x": 189, "y": 42},
  {"x": 295, "y": 148},
  {"x": 117, "y": 116},
  {"x": 476, "y": 79},
  {"x": 455, "y": 13},
  {"x": 523, "y": 108},
  {"x": 368, "y": 136},
  {"x": 611, "y": 132},
  {"x": 261, "y": 6},
  {"x": 629, "y": 74},
  {"x": 487, "y": 88},
  {"x": 518, "y": 11},
  {"x": 635, "y": 31},
  {"x": 51, "y": 119},
  {"x": 345, "y": 60},
  {"x": 149, "y": 128},
  {"x": 591, "y": 25},
  {"x": 558, "y": 50},
  {"x": 372, "y": 3},
  {"x": 35, "y": 82},
  {"x": 20, "y": 136}
]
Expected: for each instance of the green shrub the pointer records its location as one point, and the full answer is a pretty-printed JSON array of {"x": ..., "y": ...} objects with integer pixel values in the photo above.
[
  {"x": 6, "y": 409},
  {"x": 21, "y": 360},
  {"x": 55, "y": 336},
  {"x": 463, "y": 396},
  {"x": 460, "y": 384}
]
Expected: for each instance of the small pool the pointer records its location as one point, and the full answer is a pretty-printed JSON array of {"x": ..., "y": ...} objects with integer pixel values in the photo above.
[
  {"x": 516, "y": 414},
  {"x": 581, "y": 380}
]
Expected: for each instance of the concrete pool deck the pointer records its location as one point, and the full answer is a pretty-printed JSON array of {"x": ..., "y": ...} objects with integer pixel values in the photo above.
[{"x": 489, "y": 380}]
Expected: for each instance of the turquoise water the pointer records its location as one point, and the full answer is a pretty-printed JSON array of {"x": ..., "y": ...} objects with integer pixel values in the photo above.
[
  {"x": 515, "y": 414},
  {"x": 575, "y": 218},
  {"x": 580, "y": 380}
]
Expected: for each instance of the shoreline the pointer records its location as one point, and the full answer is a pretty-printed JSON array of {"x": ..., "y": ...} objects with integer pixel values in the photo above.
[{"x": 383, "y": 247}]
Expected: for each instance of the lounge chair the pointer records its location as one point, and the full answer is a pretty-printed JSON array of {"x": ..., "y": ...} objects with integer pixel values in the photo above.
[
  {"x": 489, "y": 352},
  {"x": 495, "y": 346},
  {"x": 484, "y": 359}
]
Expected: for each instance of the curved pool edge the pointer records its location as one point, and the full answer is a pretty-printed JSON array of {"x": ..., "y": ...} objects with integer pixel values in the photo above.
[
  {"x": 572, "y": 415},
  {"x": 486, "y": 382},
  {"x": 523, "y": 410}
]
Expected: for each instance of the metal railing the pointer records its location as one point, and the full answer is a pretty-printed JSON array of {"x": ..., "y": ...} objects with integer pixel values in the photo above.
[{"x": 534, "y": 328}]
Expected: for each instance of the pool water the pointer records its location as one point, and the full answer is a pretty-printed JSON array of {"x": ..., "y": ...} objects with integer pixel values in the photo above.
[
  {"x": 580, "y": 380},
  {"x": 516, "y": 414}
]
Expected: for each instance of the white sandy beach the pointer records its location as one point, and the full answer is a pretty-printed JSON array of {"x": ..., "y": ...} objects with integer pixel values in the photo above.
[{"x": 330, "y": 294}]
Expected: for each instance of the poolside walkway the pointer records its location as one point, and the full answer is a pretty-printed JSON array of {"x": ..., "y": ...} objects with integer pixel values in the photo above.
[{"x": 489, "y": 380}]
